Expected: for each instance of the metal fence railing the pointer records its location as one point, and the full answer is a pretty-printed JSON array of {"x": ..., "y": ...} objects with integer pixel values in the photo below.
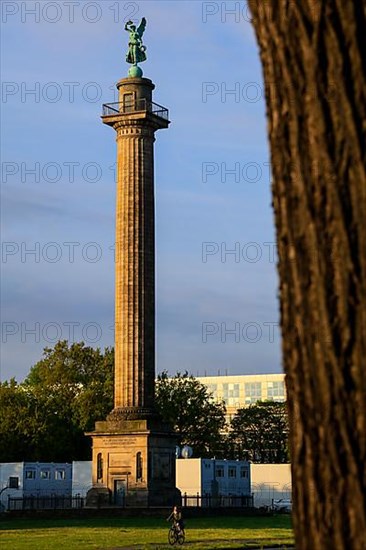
[
  {"x": 44, "y": 503},
  {"x": 77, "y": 502},
  {"x": 219, "y": 501}
]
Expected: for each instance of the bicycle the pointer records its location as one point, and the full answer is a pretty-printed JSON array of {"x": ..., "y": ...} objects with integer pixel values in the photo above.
[{"x": 176, "y": 535}]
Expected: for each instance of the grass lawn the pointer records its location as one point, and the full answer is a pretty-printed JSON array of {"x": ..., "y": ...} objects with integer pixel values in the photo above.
[{"x": 143, "y": 533}]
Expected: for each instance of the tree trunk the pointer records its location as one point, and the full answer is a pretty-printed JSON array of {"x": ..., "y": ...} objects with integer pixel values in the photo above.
[{"x": 314, "y": 58}]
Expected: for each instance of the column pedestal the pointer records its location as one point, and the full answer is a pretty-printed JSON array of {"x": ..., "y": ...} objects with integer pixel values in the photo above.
[{"x": 135, "y": 461}]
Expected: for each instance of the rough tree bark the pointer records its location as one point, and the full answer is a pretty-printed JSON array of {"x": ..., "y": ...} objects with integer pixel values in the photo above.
[{"x": 314, "y": 62}]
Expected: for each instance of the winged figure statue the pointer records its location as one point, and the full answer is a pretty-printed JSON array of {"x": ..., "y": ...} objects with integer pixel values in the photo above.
[{"x": 136, "y": 49}]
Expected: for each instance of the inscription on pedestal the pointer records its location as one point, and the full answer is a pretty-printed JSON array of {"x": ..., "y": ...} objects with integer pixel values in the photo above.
[{"x": 119, "y": 441}]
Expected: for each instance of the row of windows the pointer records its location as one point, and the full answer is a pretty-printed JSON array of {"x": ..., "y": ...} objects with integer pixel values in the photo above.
[
  {"x": 59, "y": 474},
  {"x": 252, "y": 390},
  {"x": 232, "y": 471}
]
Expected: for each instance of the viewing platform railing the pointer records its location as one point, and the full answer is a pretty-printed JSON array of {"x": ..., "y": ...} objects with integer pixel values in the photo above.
[{"x": 138, "y": 106}]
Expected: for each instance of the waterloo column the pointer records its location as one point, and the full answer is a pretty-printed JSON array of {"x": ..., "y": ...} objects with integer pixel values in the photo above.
[
  {"x": 135, "y": 247},
  {"x": 133, "y": 451}
]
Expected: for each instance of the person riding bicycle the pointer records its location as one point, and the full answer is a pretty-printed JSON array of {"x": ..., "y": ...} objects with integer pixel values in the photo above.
[{"x": 176, "y": 516}]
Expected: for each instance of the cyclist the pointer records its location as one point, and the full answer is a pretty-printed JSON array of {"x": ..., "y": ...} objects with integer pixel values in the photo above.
[{"x": 176, "y": 516}]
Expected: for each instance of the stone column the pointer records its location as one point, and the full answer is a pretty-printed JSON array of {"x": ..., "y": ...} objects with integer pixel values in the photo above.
[
  {"x": 133, "y": 451},
  {"x": 135, "y": 246},
  {"x": 135, "y": 268}
]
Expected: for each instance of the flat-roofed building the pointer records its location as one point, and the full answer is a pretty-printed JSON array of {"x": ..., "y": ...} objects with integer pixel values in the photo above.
[
  {"x": 239, "y": 391},
  {"x": 209, "y": 477},
  {"x": 47, "y": 479},
  {"x": 22, "y": 480}
]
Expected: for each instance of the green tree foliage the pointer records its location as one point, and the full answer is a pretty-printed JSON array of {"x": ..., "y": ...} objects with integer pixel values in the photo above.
[
  {"x": 260, "y": 433},
  {"x": 18, "y": 425},
  {"x": 71, "y": 387},
  {"x": 188, "y": 406},
  {"x": 64, "y": 394},
  {"x": 79, "y": 377}
]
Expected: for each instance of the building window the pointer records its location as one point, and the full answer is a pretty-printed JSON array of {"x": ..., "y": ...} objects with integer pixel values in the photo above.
[
  {"x": 45, "y": 474},
  {"x": 253, "y": 392},
  {"x": 275, "y": 390},
  {"x": 230, "y": 393},
  {"x": 243, "y": 472},
  {"x": 138, "y": 467},
  {"x": 30, "y": 474},
  {"x": 232, "y": 471},
  {"x": 150, "y": 465},
  {"x": 60, "y": 474},
  {"x": 99, "y": 466},
  {"x": 13, "y": 482},
  {"x": 219, "y": 471}
]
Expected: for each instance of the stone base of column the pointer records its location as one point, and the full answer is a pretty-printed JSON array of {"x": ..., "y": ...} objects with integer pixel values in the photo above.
[{"x": 134, "y": 463}]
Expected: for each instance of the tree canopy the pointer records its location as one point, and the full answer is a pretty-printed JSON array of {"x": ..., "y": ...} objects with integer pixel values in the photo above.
[
  {"x": 260, "y": 433},
  {"x": 18, "y": 425},
  {"x": 45, "y": 417},
  {"x": 187, "y": 405}
]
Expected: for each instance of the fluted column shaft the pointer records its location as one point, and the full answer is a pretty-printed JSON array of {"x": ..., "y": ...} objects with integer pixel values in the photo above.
[
  {"x": 135, "y": 119},
  {"x": 135, "y": 267}
]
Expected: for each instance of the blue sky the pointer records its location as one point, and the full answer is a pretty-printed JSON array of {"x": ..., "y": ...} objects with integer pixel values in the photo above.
[{"x": 215, "y": 310}]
